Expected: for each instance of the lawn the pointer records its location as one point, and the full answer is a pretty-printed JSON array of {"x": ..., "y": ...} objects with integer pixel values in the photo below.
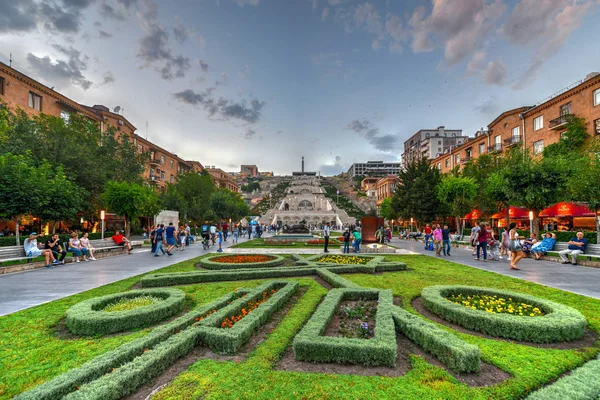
[
  {"x": 260, "y": 243},
  {"x": 34, "y": 347}
]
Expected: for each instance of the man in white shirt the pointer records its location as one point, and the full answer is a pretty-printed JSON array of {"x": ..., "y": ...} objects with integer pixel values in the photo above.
[
  {"x": 31, "y": 250},
  {"x": 326, "y": 236}
]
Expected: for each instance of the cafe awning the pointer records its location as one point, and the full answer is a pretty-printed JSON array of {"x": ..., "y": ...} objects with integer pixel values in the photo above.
[
  {"x": 566, "y": 209},
  {"x": 513, "y": 213},
  {"x": 475, "y": 214}
]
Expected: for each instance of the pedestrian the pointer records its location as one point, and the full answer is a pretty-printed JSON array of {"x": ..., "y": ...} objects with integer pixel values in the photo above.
[
  {"x": 515, "y": 246},
  {"x": 504, "y": 242},
  {"x": 170, "y": 236},
  {"x": 481, "y": 238},
  {"x": 236, "y": 234},
  {"x": 182, "y": 238},
  {"x": 188, "y": 232},
  {"x": 220, "y": 235},
  {"x": 326, "y": 237},
  {"x": 152, "y": 238},
  {"x": 428, "y": 235},
  {"x": 446, "y": 240},
  {"x": 473, "y": 236},
  {"x": 437, "y": 240},
  {"x": 159, "y": 239},
  {"x": 225, "y": 229},
  {"x": 357, "y": 240},
  {"x": 346, "y": 241}
]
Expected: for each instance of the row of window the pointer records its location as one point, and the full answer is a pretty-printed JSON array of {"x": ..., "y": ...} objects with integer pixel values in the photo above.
[{"x": 158, "y": 172}]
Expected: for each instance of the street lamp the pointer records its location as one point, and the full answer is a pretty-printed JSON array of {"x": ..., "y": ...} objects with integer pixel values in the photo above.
[
  {"x": 270, "y": 197},
  {"x": 411, "y": 222},
  {"x": 338, "y": 197},
  {"x": 530, "y": 222},
  {"x": 102, "y": 217}
]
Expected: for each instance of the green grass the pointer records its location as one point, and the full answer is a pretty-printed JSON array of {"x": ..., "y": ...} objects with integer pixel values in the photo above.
[
  {"x": 130, "y": 304},
  {"x": 31, "y": 352}
]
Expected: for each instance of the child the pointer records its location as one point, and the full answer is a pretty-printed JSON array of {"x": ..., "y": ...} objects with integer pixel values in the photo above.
[
  {"x": 220, "y": 233},
  {"x": 235, "y": 236}
]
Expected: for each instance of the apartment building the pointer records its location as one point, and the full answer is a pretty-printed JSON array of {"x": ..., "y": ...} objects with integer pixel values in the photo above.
[
  {"x": 373, "y": 168},
  {"x": 222, "y": 179},
  {"x": 249, "y": 171},
  {"x": 385, "y": 188},
  {"x": 431, "y": 143},
  {"x": 533, "y": 127},
  {"x": 369, "y": 186}
]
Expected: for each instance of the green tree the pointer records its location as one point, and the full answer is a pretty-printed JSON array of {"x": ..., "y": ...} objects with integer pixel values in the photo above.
[
  {"x": 585, "y": 184},
  {"x": 480, "y": 170},
  {"x": 386, "y": 209},
  {"x": 63, "y": 199},
  {"x": 196, "y": 190},
  {"x": 572, "y": 141},
  {"x": 130, "y": 201},
  {"x": 227, "y": 204},
  {"x": 171, "y": 199},
  {"x": 459, "y": 196}
]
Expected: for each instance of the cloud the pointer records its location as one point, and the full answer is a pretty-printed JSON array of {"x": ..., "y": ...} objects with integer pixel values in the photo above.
[
  {"x": 62, "y": 16},
  {"x": 494, "y": 73},
  {"x": 488, "y": 107},
  {"x": 181, "y": 32},
  {"x": 60, "y": 72},
  {"x": 108, "y": 11},
  {"x": 224, "y": 79},
  {"x": 247, "y": 111},
  {"x": 108, "y": 78},
  {"x": 201, "y": 41},
  {"x": 249, "y": 134},
  {"x": 104, "y": 35},
  {"x": 325, "y": 14},
  {"x": 242, "y": 3},
  {"x": 332, "y": 64},
  {"x": 545, "y": 26},
  {"x": 203, "y": 65},
  {"x": 384, "y": 143},
  {"x": 155, "y": 51},
  {"x": 333, "y": 169},
  {"x": 477, "y": 63}
]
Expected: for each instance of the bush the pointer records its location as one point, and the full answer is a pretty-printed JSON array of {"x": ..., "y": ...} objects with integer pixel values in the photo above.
[
  {"x": 580, "y": 384},
  {"x": 88, "y": 317},
  {"x": 310, "y": 345},
  {"x": 455, "y": 353},
  {"x": 560, "y": 324},
  {"x": 335, "y": 280},
  {"x": 210, "y": 264},
  {"x": 123, "y": 355}
]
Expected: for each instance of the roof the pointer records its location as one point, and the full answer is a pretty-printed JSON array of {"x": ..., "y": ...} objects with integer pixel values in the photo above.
[{"x": 517, "y": 110}]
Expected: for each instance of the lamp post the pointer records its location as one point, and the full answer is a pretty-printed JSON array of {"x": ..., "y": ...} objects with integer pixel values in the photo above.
[
  {"x": 411, "y": 222},
  {"x": 338, "y": 197},
  {"x": 102, "y": 216},
  {"x": 270, "y": 197},
  {"x": 530, "y": 222}
]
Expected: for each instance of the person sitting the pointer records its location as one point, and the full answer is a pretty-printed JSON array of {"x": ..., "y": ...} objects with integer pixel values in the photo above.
[
  {"x": 76, "y": 248},
  {"x": 85, "y": 244},
  {"x": 53, "y": 244},
  {"x": 31, "y": 250},
  {"x": 577, "y": 246},
  {"x": 528, "y": 244},
  {"x": 541, "y": 248},
  {"x": 121, "y": 240}
]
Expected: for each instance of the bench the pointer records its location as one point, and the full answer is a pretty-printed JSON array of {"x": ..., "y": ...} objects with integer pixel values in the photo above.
[
  {"x": 592, "y": 252},
  {"x": 13, "y": 253},
  {"x": 107, "y": 245}
]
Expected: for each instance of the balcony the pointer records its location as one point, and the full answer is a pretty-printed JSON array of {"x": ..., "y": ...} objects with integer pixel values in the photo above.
[
  {"x": 559, "y": 123},
  {"x": 466, "y": 159},
  {"x": 153, "y": 180},
  {"x": 512, "y": 141},
  {"x": 154, "y": 163},
  {"x": 495, "y": 147}
]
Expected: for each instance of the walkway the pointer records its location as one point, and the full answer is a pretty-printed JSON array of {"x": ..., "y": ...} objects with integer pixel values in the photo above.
[
  {"x": 30, "y": 288},
  {"x": 572, "y": 278}
]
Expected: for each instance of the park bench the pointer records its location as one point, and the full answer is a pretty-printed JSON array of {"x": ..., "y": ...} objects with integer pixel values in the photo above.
[
  {"x": 13, "y": 253},
  {"x": 592, "y": 252},
  {"x": 102, "y": 246}
]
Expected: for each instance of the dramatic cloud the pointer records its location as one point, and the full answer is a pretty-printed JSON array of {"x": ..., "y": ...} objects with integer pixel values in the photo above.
[
  {"x": 333, "y": 169},
  {"x": 109, "y": 11},
  {"x": 203, "y": 65},
  {"x": 384, "y": 143},
  {"x": 62, "y": 16},
  {"x": 544, "y": 25},
  {"x": 247, "y": 111},
  {"x": 494, "y": 73},
  {"x": 58, "y": 73},
  {"x": 181, "y": 32},
  {"x": 108, "y": 78}
]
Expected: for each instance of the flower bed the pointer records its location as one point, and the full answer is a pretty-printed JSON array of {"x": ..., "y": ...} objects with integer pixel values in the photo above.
[
  {"x": 495, "y": 304},
  {"x": 241, "y": 261},
  {"x": 311, "y": 345},
  {"x": 279, "y": 242},
  {"x": 322, "y": 241},
  {"x": 130, "y": 304},
  {"x": 91, "y": 318},
  {"x": 252, "y": 305},
  {"x": 355, "y": 319},
  {"x": 335, "y": 259},
  {"x": 558, "y": 324}
]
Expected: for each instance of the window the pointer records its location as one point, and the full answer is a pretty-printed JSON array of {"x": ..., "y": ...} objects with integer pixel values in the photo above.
[
  {"x": 516, "y": 132},
  {"x": 481, "y": 148},
  {"x": 439, "y": 142},
  {"x": 172, "y": 178},
  {"x": 538, "y": 147},
  {"x": 596, "y": 97},
  {"x": 468, "y": 151},
  {"x": 538, "y": 123},
  {"x": 35, "y": 101},
  {"x": 65, "y": 116},
  {"x": 162, "y": 159},
  {"x": 497, "y": 139},
  {"x": 457, "y": 158},
  {"x": 439, "y": 149},
  {"x": 162, "y": 175},
  {"x": 1, "y": 85},
  {"x": 565, "y": 109},
  {"x": 447, "y": 162},
  {"x": 597, "y": 127},
  {"x": 439, "y": 166}
]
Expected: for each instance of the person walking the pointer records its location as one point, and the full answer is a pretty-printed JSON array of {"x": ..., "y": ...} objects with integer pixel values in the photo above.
[
  {"x": 446, "y": 240},
  {"x": 236, "y": 234},
  {"x": 504, "y": 242},
  {"x": 437, "y": 240},
  {"x": 515, "y": 246},
  {"x": 188, "y": 232},
  {"x": 152, "y": 238},
  {"x": 481, "y": 238},
  {"x": 346, "y": 241},
  {"x": 170, "y": 236},
  {"x": 428, "y": 235},
  {"x": 326, "y": 236},
  {"x": 474, "y": 231},
  {"x": 357, "y": 240},
  {"x": 220, "y": 235},
  {"x": 159, "y": 239},
  {"x": 182, "y": 238}
]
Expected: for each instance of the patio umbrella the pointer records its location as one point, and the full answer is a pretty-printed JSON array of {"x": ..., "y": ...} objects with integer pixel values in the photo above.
[
  {"x": 513, "y": 213},
  {"x": 566, "y": 209}
]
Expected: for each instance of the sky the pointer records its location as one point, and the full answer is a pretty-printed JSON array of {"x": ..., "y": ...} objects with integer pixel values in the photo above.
[{"x": 231, "y": 82}]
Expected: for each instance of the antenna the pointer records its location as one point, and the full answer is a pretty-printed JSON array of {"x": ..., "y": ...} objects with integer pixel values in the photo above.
[
  {"x": 117, "y": 109},
  {"x": 10, "y": 60}
]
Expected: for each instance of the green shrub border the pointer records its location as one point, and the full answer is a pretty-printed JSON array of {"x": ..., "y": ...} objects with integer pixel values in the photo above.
[
  {"x": 454, "y": 352},
  {"x": 381, "y": 350},
  {"x": 559, "y": 324},
  {"x": 335, "y": 280},
  {"x": 208, "y": 262},
  {"x": 88, "y": 317},
  {"x": 123, "y": 356},
  {"x": 372, "y": 259},
  {"x": 581, "y": 384}
]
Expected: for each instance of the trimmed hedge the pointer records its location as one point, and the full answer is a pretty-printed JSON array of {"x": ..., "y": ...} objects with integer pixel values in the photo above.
[
  {"x": 68, "y": 382},
  {"x": 335, "y": 280},
  {"x": 88, "y": 317},
  {"x": 7, "y": 241},
  {"x": 310, "y": 345},
  {"x": 581, "y": 384},
  {"x": 559, "y": 324},
  {"x": 372, "y": 259},
  {"x": 215, "y": 265},
  {"x": 455, "y": 353},
  {"x": 187, "y": 278},
  {"x": 229, "y": 340}
]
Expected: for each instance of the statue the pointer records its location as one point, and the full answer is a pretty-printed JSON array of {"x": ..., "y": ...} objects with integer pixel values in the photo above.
[{"x": 299, "y": 228}]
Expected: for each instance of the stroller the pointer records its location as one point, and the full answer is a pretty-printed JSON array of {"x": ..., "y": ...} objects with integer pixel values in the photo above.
[{"x": 494, "y": 250}]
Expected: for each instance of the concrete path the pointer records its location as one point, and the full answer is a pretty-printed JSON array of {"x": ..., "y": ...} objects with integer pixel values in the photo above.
[
  {"x": 572, "y": 278},
  {"x": 310, "y": 250},
  {"x": 30, "y": 288}
]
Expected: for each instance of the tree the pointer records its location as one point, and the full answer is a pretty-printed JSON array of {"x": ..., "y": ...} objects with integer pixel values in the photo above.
[
  {"x": 171, "y": 199},
  {"x": 130, "y": 201},
  {"x": 196, "y": 190},
  {"x": 416, "y": 192},
  {"x": 63, "y": 198},
  {"x": 227, "y": 204},
  {"x": 386, "y": 209},
  {"x": 458, "y": 194},
  {"x": 572, "y": 141},
  {"x": 585, "y": 185},
  {"x": 480, "y": 170}
]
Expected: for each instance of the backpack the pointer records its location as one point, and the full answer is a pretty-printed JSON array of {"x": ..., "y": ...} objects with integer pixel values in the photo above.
[{"x": 204, "y": 228}]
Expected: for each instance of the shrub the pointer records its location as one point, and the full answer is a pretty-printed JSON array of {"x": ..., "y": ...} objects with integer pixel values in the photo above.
[
  {"x": 580, "y": 384},
  {"x": 559, "y": 324},
  {"x": 335, "y": 280},
  {"x": 89, "y": 317},
  {"x": 310, "y": 345},
  {"x": 221, "y": 262},
  {"x": 455, "y": 353}
]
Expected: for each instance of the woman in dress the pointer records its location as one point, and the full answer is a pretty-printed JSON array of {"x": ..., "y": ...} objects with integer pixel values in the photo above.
[
  {"x": 85, "y": 244},
  {"x": 515, "y": 246}
]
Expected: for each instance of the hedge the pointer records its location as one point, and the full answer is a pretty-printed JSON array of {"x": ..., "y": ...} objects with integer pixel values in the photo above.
[
  {"x": 335, "y": 280},
  {"x": 68, "y": 382},
  {"x": 381, "y": 350},
  {"x": 215, "y": 265},
  {"x": 88, "y": 317},
  {"x": 372, "y": 259},
  {"x": 455, "y": 353},
  {"x": 229, "y": 340},
  {"x": 581, "y": 384},
  {"x": 559, "y": 324},
  {"x": 6, "y": 241},
  {"x": 188, "y": 278}
]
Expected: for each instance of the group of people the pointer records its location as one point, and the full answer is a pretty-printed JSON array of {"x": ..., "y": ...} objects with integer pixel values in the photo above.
[
  {"x": 169, "y": 237},
  {"x": 353, "y": 237}
]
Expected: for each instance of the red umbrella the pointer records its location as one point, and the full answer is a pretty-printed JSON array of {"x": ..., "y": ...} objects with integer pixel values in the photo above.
[
  {"x": 513, "y": 213},
  {"x": 566, "y": 209},
  {"x": 475, "y": 214}
]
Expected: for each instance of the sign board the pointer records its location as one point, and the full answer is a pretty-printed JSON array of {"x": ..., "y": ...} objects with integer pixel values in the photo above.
[{"x": 167, "y": 216}]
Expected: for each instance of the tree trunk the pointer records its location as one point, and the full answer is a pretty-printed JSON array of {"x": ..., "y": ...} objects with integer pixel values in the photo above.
[
  {"x": 54, "y": 228},
  {"x": 536, "y": 224},
  {"x": 17, "y": 237},
  {"x": 507, "y": 216},
  {"x": 127, "y": 228},
  {"x": 458, "y": 230},
  {"x": 597, "y": 229}
]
